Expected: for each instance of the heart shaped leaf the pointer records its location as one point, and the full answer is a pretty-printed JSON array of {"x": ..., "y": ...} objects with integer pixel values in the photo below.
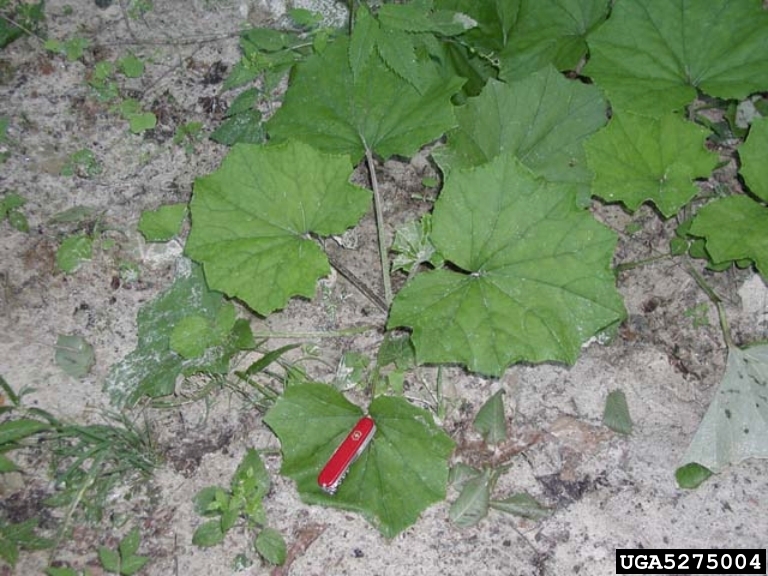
[
  {"x": 735, "y": 229},
  {"x": 535, "y": 280},
  {"x": 638, "y": 158},
  {"x": 252, "y": 217},
  {"x": 735, "y": 426},
  {"x": 652, "y": 55},
  {"x": 542, "y": 119},
  {"x": 332, "y": 109},
  {"x": 403, "y": 470}
]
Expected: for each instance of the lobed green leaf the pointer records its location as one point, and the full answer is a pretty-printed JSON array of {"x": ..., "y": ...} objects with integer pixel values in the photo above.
[
  {"x": 337, "y": 111},
  {"x": 651, "y": 56},
  {"x": 542, "y": 119},
  {"x": 402, "y": 471},
  {"x": 533, "y": 280},
  {"x": 252, "y": 220},
  {"x": 638, "y": 158},
  {"x": 734, "y": 228}
]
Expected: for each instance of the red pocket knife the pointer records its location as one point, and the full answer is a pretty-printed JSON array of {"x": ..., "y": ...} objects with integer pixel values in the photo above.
[{"x": 336, "y": 468}]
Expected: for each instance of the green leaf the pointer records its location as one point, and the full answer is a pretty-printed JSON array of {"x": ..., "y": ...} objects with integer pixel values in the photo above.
[
  {"x": 11, "y": 201},
  {"x": 191, "y": 336},
  {"x": 691, "y": 475},
  {"x": 53, "y": 571},
  {"x": 329, "y": 108},
  {"x": 131, "y": 66},
  {"x": 363, "y": 40},
  {"x": 271, "y": 545},
  {"x": 534, "y": 280},
  {"x": 401, "y": 473},
  {"x": 523, "y": 505},
  {"x": 141, "y": 122},
  {"x": 735, "y": 229},
  {"x": 7, "y": 465},
  {"x": 130, "y": 543},
  {"x": 132, "y": 564},
  {"x": 396, "y": 49},
  {"x": 18, "y": 221},
  {"x": 735, "y": 426},
  {"x": 74, "y": 251},
  {"x": 542, "y": 119},
  {"x": 413, "y": 245},
  {"x": 152, "y": 368},
  {"x": 208, "y": 534},
  {"x": 406, "y": 17},
  {"x": 244, "y": 102},
  {"x": 74, "y": 355},
  {"x": 15, "y": 430},
  {"x": 205, "y": 502},
  {"x": 8, "y": 550},
  {"x": 637, "y": 159},
  {"x": 460, "y": 473},
  {"x": 549, "y": 32},
  {"x": 652, "y": 55},
  {"x": 490, "y": 420},
  {"x": 256, "y": 40},
  {"x": 472, "y": 504},
  {"x": 252, "y": 218},
  {"x": 494, "y": 20},
  {"x": 110, "y": 559},
  {"x": 616, "y": 413},
  {"x": 752, "y": 153},
  {"x": 74, "y": 214},
  {"x": 245, "y": 127},
  {"x": 162, "y": 224},
  {"x": 252, "y": 469}
]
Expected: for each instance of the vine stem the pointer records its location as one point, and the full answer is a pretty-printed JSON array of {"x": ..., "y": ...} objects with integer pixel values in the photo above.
[
  {"x": 351, "y": 331},
  {"x": 377, "y": 208},
  {"x": 717, "y": 301}
]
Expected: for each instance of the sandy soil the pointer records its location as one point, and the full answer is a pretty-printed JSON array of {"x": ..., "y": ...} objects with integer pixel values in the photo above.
[{"x": 608, "y": 491}]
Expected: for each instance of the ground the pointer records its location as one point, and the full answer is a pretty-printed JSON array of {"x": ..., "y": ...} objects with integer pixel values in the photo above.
[{"x": 607, "y": 491}]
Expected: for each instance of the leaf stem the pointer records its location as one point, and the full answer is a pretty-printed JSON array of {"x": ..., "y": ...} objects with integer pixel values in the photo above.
[
  {"x": 377, "y": 208},
  {"x": 716, "y": 300},
  {"x": 319, "y": 334}
]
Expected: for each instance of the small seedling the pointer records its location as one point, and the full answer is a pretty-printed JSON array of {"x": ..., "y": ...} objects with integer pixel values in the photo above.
[
  {"x": 187, "y": 135},
  {"x": 124, "y": 560},
  {"x": 476, "y": 486},
  {"x": 104, "y": 87},
  {"x": 83, "y": 164},
  {"x": 10, "y": 209},
  {"x": 131, "y": 66},
  {"x": 698, "y": 315},
  {"x": 73, "y": 49},
  {"x": 241, "y": 503},
  {"x": 138, "y": 119},
  {"x": 73, "y": 251}
]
